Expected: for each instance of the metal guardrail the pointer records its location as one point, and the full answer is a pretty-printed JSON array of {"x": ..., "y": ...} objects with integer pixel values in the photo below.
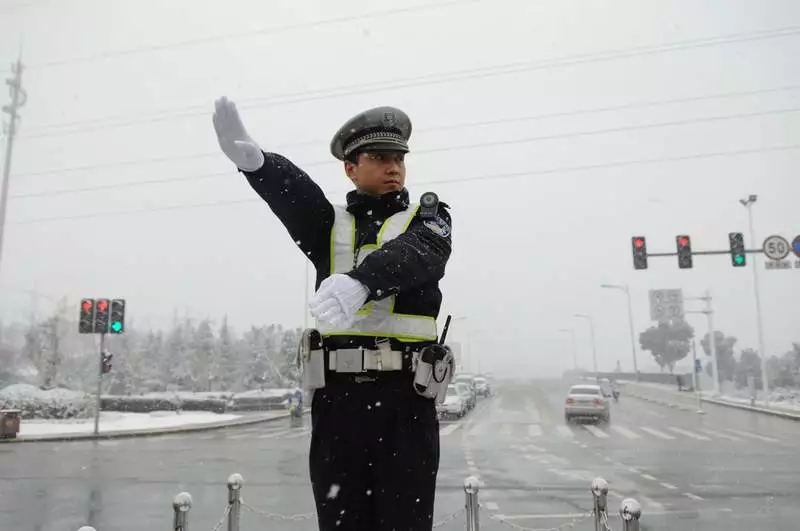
[{"x": 630, "y": 510}]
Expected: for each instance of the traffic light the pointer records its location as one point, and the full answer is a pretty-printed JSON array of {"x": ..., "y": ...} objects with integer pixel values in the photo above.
[
  {"x": 86, "y": 320},
  {"x": 684, "y": 251},
  {"x": 117, "y": 325},
  {"x": 107, "y": 362},
  {"x": 738, "y": 256},
  {"x": 639, "y": 247},
  {"x": 101, "y": 308}
]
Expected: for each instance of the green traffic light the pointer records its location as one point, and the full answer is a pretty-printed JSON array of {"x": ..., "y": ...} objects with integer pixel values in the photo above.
[
  {"x": 116, "y": 326},
  {"x": 738, "y": 259}
]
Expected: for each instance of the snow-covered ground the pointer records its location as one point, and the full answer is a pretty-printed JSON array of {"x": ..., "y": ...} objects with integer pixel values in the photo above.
[{"x": 114, "y": 421}]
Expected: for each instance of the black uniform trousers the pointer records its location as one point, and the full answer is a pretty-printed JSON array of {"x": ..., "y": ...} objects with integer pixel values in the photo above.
[{"x": 374, "y": 454}]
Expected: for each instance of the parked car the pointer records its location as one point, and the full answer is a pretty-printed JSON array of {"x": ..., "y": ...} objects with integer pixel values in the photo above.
[
  {"x": 454, "y": 404},
  {"x": 468, "y": 394},
  {"x": 587, "y": 401}
]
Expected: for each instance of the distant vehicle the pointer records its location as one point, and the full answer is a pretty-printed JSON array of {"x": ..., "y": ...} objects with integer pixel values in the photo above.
[
  {"x": 468, "y": 394},
  {"x": 454, "y": 404},
  {"x": 587, "y": 401},
  {"x": 482, "y": 386}
]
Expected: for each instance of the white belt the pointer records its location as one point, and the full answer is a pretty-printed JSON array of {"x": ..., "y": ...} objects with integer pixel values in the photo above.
[{"x": 354, "y": 360}]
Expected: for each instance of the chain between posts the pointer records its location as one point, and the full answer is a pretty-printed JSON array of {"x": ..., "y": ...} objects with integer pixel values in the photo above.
[{"x": 567, "y": 525}]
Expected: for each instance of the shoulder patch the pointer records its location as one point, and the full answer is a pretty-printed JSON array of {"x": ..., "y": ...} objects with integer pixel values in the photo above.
[{"x": 438, "y": 226}]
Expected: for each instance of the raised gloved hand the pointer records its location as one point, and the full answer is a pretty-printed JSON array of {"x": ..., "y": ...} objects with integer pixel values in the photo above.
[
  {"x": 233, "y": 137},
  {"x": 337, "y": 300}
]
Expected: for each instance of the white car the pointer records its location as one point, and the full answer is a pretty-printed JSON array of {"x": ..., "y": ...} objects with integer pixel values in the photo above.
[
  {"x": 453, "y": 405},
  {"x": 587, "y": 401}
]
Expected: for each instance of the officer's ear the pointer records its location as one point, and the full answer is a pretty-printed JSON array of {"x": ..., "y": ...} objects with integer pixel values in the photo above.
[{"x": 350, "y": 170}]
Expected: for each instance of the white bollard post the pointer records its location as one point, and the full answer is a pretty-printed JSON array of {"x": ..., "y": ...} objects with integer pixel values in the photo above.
[
  {"x": 630, "y": 510},
  {"x": 471, "y": 488},
  {"x": 181, "y": 505},
  {"x": 235, "y": 483}
]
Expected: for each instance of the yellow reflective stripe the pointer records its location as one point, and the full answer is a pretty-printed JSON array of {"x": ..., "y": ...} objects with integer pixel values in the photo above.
[{"x": 377, "y": 317}]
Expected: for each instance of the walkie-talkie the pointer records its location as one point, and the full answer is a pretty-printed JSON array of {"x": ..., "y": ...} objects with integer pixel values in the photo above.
[{"x": 435, "y": 368}]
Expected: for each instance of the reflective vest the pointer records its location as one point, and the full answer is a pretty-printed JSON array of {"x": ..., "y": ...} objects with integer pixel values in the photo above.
[{"x": 376, "y": 318}]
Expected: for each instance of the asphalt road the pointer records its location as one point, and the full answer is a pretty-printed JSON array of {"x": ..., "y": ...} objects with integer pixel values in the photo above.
[{"x": 726, "y": 470}]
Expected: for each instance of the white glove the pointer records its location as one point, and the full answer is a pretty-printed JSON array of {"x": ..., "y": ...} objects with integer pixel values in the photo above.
[
  {"x": 233, "y": 137},
  {"x": 337, "y": 300}
]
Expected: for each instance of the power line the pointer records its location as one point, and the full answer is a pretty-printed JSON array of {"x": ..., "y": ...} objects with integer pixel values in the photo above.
[
  {"x": 496, "y": 176},
  {"x": 345, "y": 19},
  {"x": 416, "y": 81},
  {"x": 479, "y": 145},
  {"x": 443, "y": 127}
]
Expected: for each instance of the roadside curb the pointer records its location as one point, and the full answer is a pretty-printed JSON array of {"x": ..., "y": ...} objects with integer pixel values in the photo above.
[
  {"x": 754, "y": 409},
  {"x": 723, "y": 403},
  {"x": 121, "y": 434},
  {"x": 661, "y": 402}
]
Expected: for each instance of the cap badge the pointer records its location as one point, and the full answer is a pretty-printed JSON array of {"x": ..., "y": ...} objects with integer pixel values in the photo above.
[{"x": 389, "y": 119}]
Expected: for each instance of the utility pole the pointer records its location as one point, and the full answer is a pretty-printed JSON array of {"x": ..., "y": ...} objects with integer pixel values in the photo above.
[
  {"x": 712, "y": 339},
  {"x": 594, "y": 342},
  {"x": 18, "y": 99},
  {"x": 632, "y": 331},
  {"x": 571, "y": 332}
]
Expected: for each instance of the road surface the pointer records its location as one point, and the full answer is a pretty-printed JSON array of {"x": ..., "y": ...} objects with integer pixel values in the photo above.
[{"x": 726, "y": 470}]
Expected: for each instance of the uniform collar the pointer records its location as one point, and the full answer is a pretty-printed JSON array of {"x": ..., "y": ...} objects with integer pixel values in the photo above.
[{"x": 380, "y": 206}]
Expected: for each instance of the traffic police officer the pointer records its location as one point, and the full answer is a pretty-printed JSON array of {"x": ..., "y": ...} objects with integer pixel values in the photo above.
[{"x": 374, "y": 452}]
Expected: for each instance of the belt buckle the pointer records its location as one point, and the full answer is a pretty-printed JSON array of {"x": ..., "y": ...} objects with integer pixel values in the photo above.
[{"x": 350, "y": 360}]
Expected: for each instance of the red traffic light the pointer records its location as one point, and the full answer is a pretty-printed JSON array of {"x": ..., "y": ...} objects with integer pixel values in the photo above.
[
  {"x": 86, "y": 305},
  {"x": 102, "y": 305},
  {"x": 683, "y": 241},
  {"x": 638, "y": 243}
]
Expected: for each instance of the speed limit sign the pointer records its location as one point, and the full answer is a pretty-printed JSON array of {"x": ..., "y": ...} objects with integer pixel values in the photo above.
[{"x": 776, "y": 248}]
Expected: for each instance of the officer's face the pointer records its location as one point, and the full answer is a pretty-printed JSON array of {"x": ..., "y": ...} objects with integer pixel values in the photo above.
[{"x": 378, "y": 172}]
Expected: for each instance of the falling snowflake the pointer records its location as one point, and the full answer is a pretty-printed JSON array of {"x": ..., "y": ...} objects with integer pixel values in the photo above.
[{"x": 334, "y": 491}]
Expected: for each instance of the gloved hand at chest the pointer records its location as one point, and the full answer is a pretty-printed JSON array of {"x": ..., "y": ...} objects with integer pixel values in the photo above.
[{"x": 337, "y": 300}]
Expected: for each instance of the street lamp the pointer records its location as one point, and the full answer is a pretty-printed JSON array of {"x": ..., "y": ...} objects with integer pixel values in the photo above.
[
  {"x": 571, "y": 332},
  {"x": 626, "y": 289},
  {"x": 748, "y": 204},
  {"x": 594, "y": 344}
]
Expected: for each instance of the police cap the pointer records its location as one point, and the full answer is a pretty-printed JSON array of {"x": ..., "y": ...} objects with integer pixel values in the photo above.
[{"x": 381, "y": 128}]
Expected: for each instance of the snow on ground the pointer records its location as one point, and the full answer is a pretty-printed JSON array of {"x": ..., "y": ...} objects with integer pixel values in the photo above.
[{"x": 115, "y": 421}]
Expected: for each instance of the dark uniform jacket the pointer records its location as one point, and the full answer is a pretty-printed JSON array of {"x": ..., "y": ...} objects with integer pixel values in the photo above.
[{"x": 409, "y": 266}]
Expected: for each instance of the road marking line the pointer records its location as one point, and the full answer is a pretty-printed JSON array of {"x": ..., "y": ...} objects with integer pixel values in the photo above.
[
  {"x": 670, "y": 486},
  {"x": 625, "y": 432},
  {"x": 657, "y": 433},
  {"x": 273, "y": 434},
  {"x": 722, "y": 435},
  {"x": 648, "y": 476},
  {"x": 447, "y": 430},
  {"x": 597, "y": 432},
  {"x": 534, "y": 430},
  {"x": 754, "y": 436},
  {"x": 492, "y": 506},
  {"x": 689, "y": 434},
  {"x": 693, "y": 496},
  {"x": 653, "y": 506},
  {"x": 564, "y": 431},
  {"x": 470, "y": 463},
  {"x": 533, "y": 447},
  {"x": 299, "y": 434}
]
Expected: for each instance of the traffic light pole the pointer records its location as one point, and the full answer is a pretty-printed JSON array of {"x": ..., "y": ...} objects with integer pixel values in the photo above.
[
  {"x": 99, "y": 384},
  {"x": 759, "y": 321}
]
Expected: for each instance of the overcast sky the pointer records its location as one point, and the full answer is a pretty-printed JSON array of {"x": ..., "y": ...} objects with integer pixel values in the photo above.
[{"x": 555, "y": 129}]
